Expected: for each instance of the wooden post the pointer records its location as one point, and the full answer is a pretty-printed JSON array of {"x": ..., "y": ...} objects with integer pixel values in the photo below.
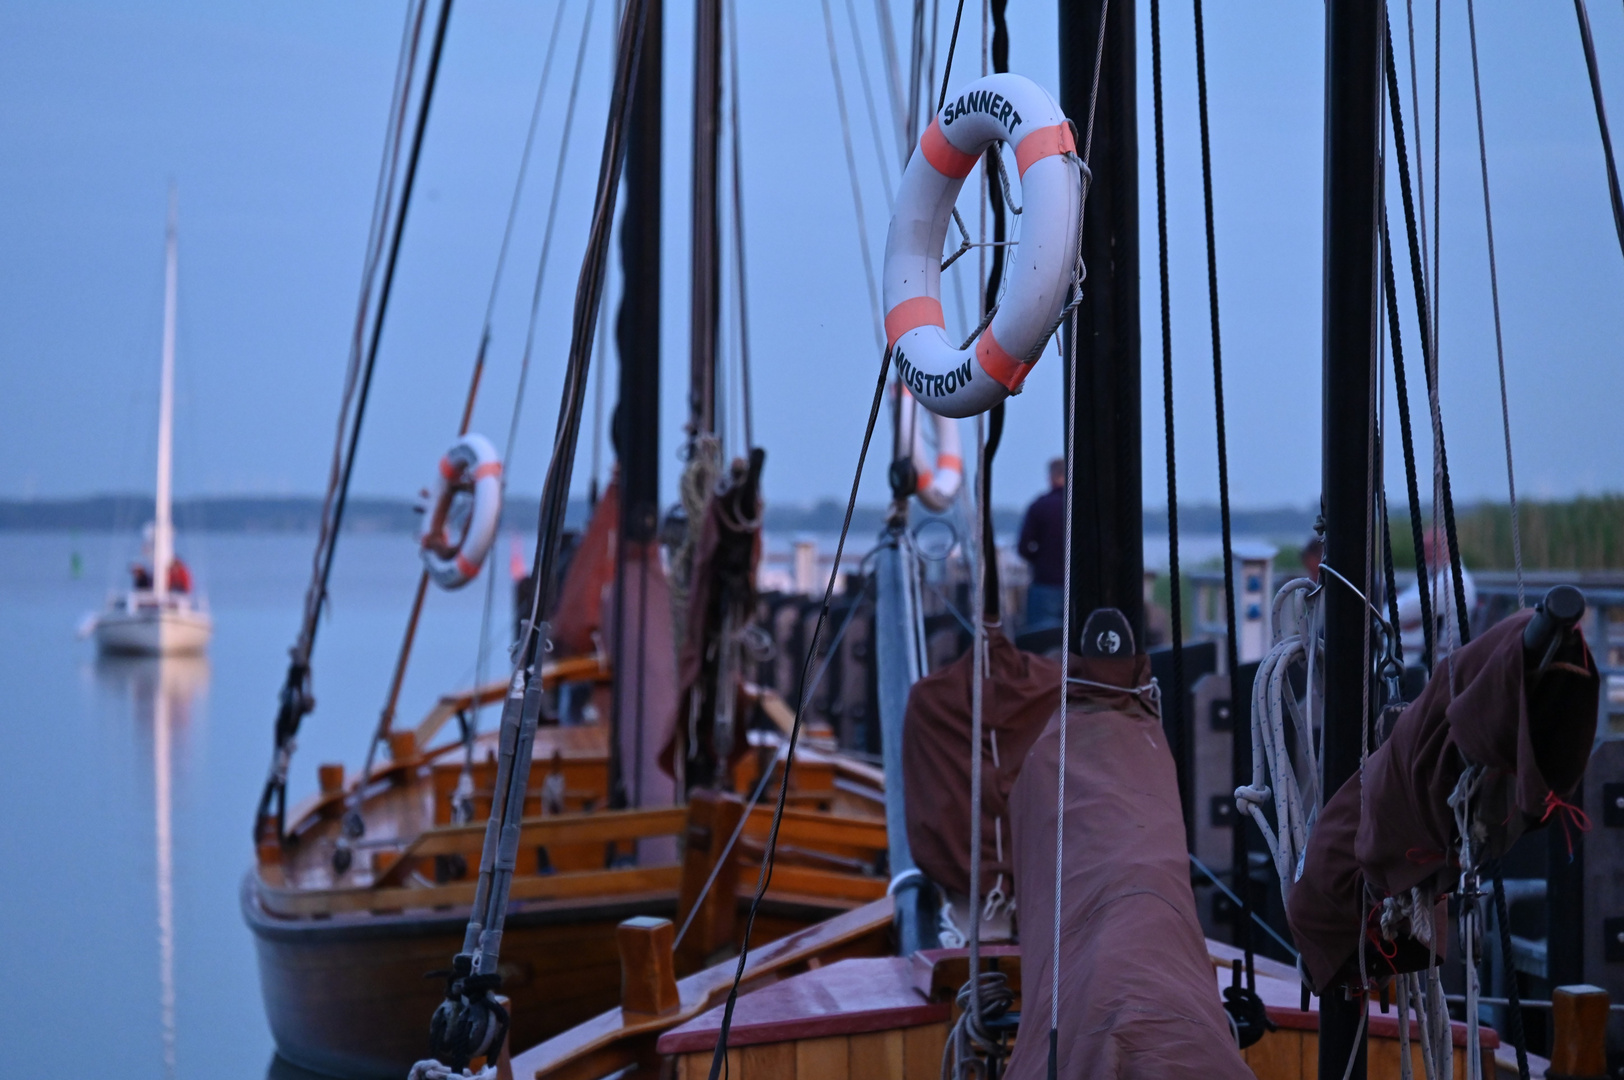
[
  {"x": 331, "y": 778},
  {"x": 712, "y": 818},
  {"x": 1579, "y": 1050},
  {"x": 648, "y": 982}
]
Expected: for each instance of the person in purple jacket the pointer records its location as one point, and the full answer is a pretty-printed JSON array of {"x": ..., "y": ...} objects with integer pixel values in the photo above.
[{"x": 1043, "y": 546}]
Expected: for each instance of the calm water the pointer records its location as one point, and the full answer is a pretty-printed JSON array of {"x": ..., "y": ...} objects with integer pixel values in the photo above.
[{"x": 128, "y": 787}]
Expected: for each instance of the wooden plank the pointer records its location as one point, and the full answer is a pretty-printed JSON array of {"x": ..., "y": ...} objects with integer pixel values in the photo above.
[
  {"x": 770, "y": 1061},
  {"x": 806, "y": 881},
  {"x": 816, "y": 828},
  {"x": 589, "y": 1049},
  {"x": 589, "y": 883},
  {"x": 1278, "y": 1056},
  {"x": 823, "y": 1059},
  {"x": 922, "y": 1051},
  {"x": 877, "y": 1054},
  {"x": 592, "y": 827},
  {"x": 712, "y": 818}
]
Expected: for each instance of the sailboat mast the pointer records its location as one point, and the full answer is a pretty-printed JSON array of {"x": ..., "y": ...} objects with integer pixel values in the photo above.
[
  {"x": 1352, "y": 202},
  {"x": 706, "y": 279},
  {"x": 1108, "y": 553},
  {"x": 163, "y": 532}
]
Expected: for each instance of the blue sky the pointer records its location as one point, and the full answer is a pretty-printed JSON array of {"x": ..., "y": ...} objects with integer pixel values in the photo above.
[{"x": 269, "y": 118}]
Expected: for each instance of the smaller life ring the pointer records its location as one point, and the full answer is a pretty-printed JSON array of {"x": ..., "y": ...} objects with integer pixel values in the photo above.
[
  {"x": 936, "y": 487},
  {"x": 472, "y": 470},
  {"x": 1042, "y": 271}
]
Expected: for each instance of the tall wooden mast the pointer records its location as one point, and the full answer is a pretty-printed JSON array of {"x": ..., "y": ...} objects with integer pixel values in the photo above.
[
  {"x": 1352, "y": 208},
  {"x": 706, "y": 281},
  {"x": 1108, "y": 562},
  {"x": 163, "y": 528}
]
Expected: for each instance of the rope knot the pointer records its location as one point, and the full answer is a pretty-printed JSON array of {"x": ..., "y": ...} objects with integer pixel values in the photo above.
[{"x": 1570, "y": 816}]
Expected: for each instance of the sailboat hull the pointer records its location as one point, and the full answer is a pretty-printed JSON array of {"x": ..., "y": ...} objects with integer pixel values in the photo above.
[{"x": 153, "y": 632}]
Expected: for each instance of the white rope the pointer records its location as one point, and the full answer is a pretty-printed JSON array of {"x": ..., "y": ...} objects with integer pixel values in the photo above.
[
  {"x": 1292, "y": 785},
  {"x": 433, "y": 1070}
]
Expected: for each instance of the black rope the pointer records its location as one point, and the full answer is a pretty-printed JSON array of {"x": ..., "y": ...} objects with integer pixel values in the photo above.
[
  {"x": 1240, "y": 871},
  {"x": 1175, "y": 605},
  {"x": 1411, "y": 482},
  {"x": 1425, "y": 321},
  {"x": 769, "y": 855},
  {"x": 1601, "y": 119},
  {"x": 1514, "y": 1019},
  {"x": 952, "y": 46},
  {"x": 295, "y": 694}
]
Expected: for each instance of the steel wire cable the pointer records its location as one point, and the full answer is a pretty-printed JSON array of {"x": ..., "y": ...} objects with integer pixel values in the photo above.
[
  {"x": 1494, "y": 295},
  {"x": 1175, "y": 611},
  {"x": 295, "y": 694},
  {"x": 1601, "y": 119},
  {"x": 483, "y": 655},
  {"x": 769, "y": 854},
  {"x": 851, "y": 171}
]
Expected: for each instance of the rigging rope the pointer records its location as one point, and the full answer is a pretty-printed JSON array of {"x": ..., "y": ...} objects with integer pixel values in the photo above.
[
  {"x": 868, "y": 98},
  {"x": 483, "y": 655},
  {"x": 1494, "y": 294},
  {"x": 1601, "y": 119},
  {"x": 1175, "y": 599},
  {"x": 1418, "y": 275},
  {"x": 1070, "y": 352},
  {"x": 851, "y": 170},
  {"x": 746, "y": 398},
  {"x": 296, "y": 699},
  {"x": 769, "y": 855},
  {"x": 470, "y": 1019},
  {"x": 1240, "y": 870}
]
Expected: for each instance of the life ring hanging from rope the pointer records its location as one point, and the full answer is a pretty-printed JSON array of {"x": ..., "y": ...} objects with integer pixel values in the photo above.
[
  {"x": 466, "y": 499},
  {"x": 936, "y": 487},
  {"x": 1043, "y": 270}
]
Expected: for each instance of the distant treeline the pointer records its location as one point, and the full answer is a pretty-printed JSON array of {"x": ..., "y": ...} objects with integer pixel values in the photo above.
[
  {"x": 1586, "y": 533},
  {"x": 301, "y": 513}
]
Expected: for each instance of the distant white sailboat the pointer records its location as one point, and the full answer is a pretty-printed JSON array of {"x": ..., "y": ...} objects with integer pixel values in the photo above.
[{"x": 159, "y": 615}]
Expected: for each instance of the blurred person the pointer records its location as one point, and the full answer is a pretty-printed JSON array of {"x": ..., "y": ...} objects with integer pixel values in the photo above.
[
  {"x": 1445, "y": 622},
  {"x": 1043, "y": 546}
]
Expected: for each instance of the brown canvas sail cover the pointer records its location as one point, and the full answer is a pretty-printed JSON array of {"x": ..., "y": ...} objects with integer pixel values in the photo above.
[
  {"x": 1138, "y": 993},
  {"x": 725, "y": 560},
  {"x": 1395, "y": 829},
  {"x": 1018, "y": 697}
]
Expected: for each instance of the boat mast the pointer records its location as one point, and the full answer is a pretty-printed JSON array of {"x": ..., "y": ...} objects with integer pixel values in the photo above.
[
  {"x": 1352, "y": 190},
  {"x": 636, "y": 428},
  {"x": 705, "y": 274},
  {"x": 1108, "y": 558},
  {"x": 163, "y": 531}
]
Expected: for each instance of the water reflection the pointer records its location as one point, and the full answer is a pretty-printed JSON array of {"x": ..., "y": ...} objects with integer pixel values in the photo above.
[{"x": 162, "y": 693}]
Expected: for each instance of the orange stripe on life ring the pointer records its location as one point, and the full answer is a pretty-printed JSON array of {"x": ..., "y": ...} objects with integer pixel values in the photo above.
[
  {"x": 943, "y": 156},
  {"x": 1044, "y": 142},
  {"x": 490, "y": 468},
  {"x": 466, "y": 568},
  {"x": 914, "y": 312},
  {"x": 924, "y": 479},
  {"x": 448, "y": 471},
  {"x": 950, "y": 461},
  {"x": 998, "y": 363}
]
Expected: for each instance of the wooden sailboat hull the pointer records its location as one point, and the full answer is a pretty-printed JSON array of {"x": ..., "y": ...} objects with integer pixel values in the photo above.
[
  {"x": 352, "y": 996},
  {"x": 153, "y": 631}
]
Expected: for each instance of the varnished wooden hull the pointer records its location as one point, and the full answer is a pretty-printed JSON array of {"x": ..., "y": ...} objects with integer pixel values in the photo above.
[{"x": 351, "y": 996}]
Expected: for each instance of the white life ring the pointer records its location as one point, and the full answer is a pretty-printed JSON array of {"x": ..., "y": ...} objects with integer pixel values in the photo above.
[
  {"x": 470, "y": 468},
  {"x": 937, "y": 487},
  {"x": 958, "y": 382}
]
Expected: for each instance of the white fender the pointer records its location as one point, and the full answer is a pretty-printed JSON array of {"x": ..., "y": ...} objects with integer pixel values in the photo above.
[
  {"x": 470, "y": 466},
  {"x": 939, "y": 485},
  {"x": 963, "y": 382}
]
